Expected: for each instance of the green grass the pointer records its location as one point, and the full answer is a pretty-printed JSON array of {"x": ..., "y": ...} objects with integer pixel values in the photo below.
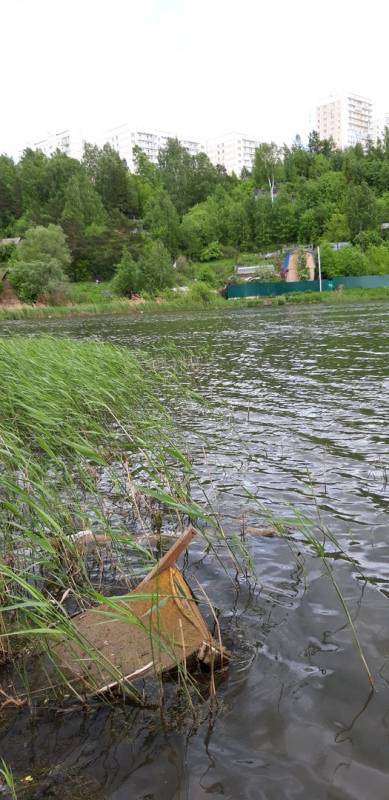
[
  {"x": 69, "y": 412},
  {"x": 307, "y": 298},
  {"x": 89, "y": 292}
]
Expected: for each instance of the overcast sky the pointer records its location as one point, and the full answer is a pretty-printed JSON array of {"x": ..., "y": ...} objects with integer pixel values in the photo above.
[{"x": 194, "y": 67}]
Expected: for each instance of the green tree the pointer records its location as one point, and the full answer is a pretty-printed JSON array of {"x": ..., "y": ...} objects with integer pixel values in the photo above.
[
  {"x": 155, "y": 267},
  {"x": 361, "y": 208},
  {"x": 33, "y": 280},
  {"x": 10, "y": 196},
  {"x": 162, "y": 221},
  {"x": 337, "y": 228},
  {"x": 126, "y": 280},
  {"x": 44, "y": 244},
  {"x": 351, "y": 261},
  {"x": 109, "y": 174},
  {"x": 267, "y": 167},
  {"x": 32, "y": 174},
  {"x": 175, "y": 165}
]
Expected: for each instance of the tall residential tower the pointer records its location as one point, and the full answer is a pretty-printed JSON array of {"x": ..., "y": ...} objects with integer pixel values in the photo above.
[{"x": 347, "y": 119}]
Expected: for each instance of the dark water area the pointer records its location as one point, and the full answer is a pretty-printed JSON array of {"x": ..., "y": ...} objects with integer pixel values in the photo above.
[{"x": 298, "y": 418}]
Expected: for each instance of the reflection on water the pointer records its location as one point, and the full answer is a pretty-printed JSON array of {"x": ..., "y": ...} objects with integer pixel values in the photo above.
[{"x": 298, "y": 415}]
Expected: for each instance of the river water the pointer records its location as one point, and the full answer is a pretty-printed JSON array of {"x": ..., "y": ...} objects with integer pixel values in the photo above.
[{"x": 296, "y": 424}]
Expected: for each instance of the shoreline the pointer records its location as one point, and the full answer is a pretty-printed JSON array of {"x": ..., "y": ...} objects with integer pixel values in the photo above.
[{"x": 162, "y": 306}]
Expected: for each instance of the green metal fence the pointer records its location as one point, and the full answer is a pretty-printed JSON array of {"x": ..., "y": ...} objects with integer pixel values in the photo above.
[{"x": 265, "y": 289}]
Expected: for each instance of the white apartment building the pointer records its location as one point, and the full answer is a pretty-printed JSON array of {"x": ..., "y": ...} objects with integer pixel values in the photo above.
[
  {"x": 66, "y": 141},
  {"x": 379, "y": 125},
  {"x": 233, "y": 150},
  {"x": 124, "y": 138},
  {"x": 347, "y": 119}
]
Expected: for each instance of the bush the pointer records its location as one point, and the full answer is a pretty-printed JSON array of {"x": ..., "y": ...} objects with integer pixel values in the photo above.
[
  {"x": 205, "y": 274},
  {"x": 378, "y": 259},
  {"x": 327, "y": 258},
  {"x": 43, "y": 245},
  {"x": 155, "y": 268},
  {"x": 212, "y": 251},
  {"x": 34, "y": 279},
  {"x": 366, "y": 238},
  {"x": 351, "y": 261},
  {"x": 201, "y": 292},
  {"x": 127, "y": 276},
  {"x": 230, "y": 252}
]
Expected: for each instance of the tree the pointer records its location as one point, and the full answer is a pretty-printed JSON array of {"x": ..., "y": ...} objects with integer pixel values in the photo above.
[
  {"x": 361, "y": 208},
  {"x": 162, "y": 221},
  {"x": 175, "y": 165},
  {"x": 32, "y": 174},
  {"x": 43, "y": 245},
  {"x": 10, "y": 197},
  {"x": 109, "y": 174},
  {"x": 127, "y": 276},
  {"x": 337, "y": 228},
  {"x": 83, "y": 219},
  {"x": 32, "y": 280},
  {"x": 197, "y": 230},
  {"x": 155, "y": 268},
  {"x": 267, "y": 166}
]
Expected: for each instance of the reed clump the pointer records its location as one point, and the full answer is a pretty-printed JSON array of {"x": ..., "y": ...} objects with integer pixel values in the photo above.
[{"x": 76, "y": 417}]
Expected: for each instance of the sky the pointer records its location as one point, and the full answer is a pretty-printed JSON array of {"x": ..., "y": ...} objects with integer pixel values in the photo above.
[{"x": 195, "y": 68}]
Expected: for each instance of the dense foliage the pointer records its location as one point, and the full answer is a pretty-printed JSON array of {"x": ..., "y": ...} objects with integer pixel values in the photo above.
[{"x": 184, "y": 205}]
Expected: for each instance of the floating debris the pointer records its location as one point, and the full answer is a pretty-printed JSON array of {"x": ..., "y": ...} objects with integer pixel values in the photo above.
[{"x": 155, "y": 628}]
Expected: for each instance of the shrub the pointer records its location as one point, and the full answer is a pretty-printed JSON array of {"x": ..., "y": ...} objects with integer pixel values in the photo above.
[
  {"x": 155, "y": 268},
  {"x": 206, "y": 275},
  {"x": 378, "y": 259},
  {"x": 366, "y": 238},
  {"x": 42, "y": 245},
  {"x": 34, "y": 279},
  {"x": 327, "y": 257},
  {"x": 230, "y": 252},
  {"x": 127, "y": 276},
  {"x": 351, "y": 261},
  {"x": 212, "y": 251},
  {"x": 201, "y": 292}
]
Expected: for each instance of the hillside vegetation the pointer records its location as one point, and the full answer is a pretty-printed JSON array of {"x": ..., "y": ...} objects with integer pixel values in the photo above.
[{"x": 94, "y": 220}]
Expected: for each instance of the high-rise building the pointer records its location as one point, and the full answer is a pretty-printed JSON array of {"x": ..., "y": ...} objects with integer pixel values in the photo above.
[
  {"x": 379, "y": 126},
  {"x": 66, "y": 141},
  {"x": 347, "y": 120},
  {"x": 233, "y": 151},
  {"x": 124, "y": 138}
]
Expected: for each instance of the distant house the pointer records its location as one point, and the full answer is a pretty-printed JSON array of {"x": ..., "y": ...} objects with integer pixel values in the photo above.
[{"x": 261, "y": 271}]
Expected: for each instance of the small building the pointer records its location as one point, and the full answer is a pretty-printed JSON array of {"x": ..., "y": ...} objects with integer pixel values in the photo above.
[{"x": 258, "y": 271}]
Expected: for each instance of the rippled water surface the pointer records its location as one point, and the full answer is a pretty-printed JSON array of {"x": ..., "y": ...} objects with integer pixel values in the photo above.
[{"x": 297, "y": 417}]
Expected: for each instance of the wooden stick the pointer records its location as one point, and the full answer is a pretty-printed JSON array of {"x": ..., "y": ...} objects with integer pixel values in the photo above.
[{"x": 171, "y": 556}]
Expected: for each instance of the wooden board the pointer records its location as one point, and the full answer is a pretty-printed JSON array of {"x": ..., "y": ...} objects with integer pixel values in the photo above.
[{"x": 155, "y": 628}]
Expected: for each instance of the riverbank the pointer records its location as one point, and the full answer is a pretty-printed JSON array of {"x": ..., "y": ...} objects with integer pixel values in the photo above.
[{"x": 197, "y": 300}]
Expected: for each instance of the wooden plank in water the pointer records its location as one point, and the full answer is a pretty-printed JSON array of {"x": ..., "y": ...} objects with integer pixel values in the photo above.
[{"x": 155, "y": 628}]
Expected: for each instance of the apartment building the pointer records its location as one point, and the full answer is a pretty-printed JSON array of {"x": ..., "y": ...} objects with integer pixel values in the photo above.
[
  {"x": 347, "y": 119},
  {"x": 67, "y": 141},
  {"x": 233, "y": 151},
  {"x": 124, "y": 138},
  {"x": 379, "y": 126}
]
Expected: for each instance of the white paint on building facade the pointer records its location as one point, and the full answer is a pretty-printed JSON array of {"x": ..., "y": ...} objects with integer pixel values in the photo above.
[{"x": 234, "y": 151}]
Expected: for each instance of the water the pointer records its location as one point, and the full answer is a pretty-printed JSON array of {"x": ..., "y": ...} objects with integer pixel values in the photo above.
[{"x": 297, "y": 416}]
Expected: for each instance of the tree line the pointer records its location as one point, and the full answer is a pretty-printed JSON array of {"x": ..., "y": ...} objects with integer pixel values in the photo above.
[{"x": 185, "y": 205}]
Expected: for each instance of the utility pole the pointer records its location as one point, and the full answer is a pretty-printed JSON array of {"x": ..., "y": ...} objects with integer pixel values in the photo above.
[{"x": 319, "y": 265}]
